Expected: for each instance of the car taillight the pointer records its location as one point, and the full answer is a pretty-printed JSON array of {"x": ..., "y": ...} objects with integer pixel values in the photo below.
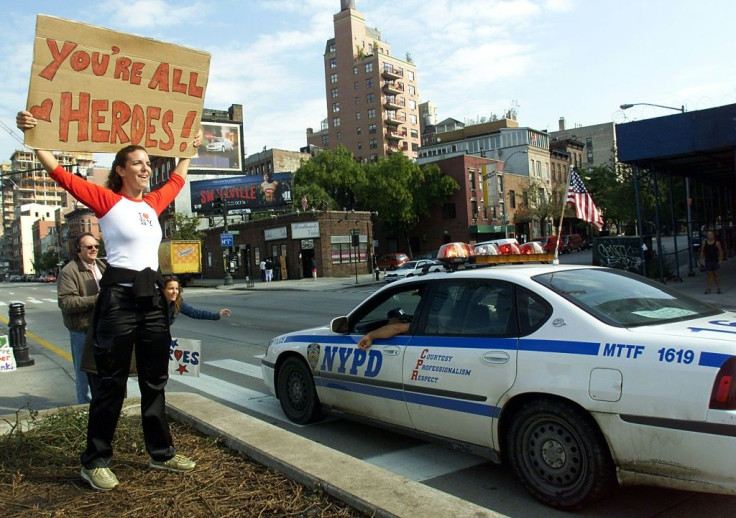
[{"x": 723, "y": 396}]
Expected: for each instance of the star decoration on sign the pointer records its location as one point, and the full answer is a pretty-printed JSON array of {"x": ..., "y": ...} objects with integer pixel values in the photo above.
[{"x": 182, "y": 369}]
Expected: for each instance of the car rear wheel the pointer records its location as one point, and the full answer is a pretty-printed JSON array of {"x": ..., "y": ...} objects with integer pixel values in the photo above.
[
  {"x": 559, "y": 454},
  {"x": 296, "y": 392}
]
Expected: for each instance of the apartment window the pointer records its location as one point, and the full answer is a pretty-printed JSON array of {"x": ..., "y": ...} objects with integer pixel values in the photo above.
[
  {"x": 336, "y": 121},
  {"x": 546, "y": 171},
  {"x": 369, "y": 82},
  {"x": 471, "y": 179},
  {"x": 541, "y": 196},
  {"x": 373, "y": 143},
  {"x": 334, "y": 92},
  {"x": 357, "y": 115},
  {"x": 374, "y": 157},
  {"x": 370, "y": 98},
  {"x": 372, "y": 129},
  {"x": 539, "y": 169},
  {"x": 512, "y": 199},
  {"x": 372, "y": 113},
  {"x": 333, "y": 78},
  {"x": 335, "y": 107},
  {"x": 410, "y": 74},
  {"x": 368, "y": 68},
  {"x": 333, "y": 63},
  {"x": 412, "y": 90},
  {"x": 525, "y": 198},
  {"x": 331, "y": 48},
  {"x": 357, "y": 101},
  {"x": 413, "y": 119},
  {"x": 339, "y": 136},
  {"x": 360, "y": 145},
  {"x": 355, "y": 85},
  {"x": 360, "y": 130},
  {"x": 325, "y": 140},
  {"x": 413, "y": 105},
  {"x": 414, "y": 146},
  {"x": 355, "y": 71},
  {"x": 414, "y": 133}
]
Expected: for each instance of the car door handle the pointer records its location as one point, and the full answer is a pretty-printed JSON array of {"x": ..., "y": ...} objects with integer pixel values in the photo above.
[
  {"x": 391, "y": 350},
  {"x": 495, "y": 357}
]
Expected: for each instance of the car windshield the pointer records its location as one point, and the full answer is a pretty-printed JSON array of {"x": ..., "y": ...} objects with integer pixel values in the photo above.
[
  {"x": 408, "y": 266},
  {"x": 622, "y": 299}
]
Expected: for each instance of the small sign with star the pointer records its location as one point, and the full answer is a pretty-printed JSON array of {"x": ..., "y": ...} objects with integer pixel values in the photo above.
[{"x": 184, "y": 357}]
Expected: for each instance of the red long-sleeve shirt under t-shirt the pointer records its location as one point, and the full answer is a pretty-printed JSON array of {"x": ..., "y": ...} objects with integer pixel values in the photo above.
[{"x": 129, "y": 227}]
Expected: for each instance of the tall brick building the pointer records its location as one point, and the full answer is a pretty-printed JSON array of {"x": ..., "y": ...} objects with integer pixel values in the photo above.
[{"x": 372, "y": 96}]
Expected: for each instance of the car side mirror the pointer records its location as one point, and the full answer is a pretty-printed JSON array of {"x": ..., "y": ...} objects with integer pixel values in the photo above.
[{"x": 339, "y": 325}]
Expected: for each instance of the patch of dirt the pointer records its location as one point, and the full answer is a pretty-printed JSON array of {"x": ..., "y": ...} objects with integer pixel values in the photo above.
[{"x": 39, "y": 477}]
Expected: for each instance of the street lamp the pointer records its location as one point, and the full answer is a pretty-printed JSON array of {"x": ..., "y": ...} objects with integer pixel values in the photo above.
[{"x": 627, "y": 106}]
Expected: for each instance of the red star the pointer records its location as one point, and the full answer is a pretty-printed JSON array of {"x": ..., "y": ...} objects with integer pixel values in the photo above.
[{"x": 182, "y": 369}]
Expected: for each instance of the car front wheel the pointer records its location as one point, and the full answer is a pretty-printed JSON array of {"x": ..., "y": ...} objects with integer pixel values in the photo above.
[
  {"x": 296, "y": 392},
  {"x": 559, "y": 454}
]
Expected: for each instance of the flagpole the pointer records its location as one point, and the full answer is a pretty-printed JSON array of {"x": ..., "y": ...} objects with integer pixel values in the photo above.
[{"x": 556, "y": 260}]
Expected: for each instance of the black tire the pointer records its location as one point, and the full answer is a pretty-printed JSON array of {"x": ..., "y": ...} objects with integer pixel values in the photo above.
[
  {"x": 296, "y": 392},
  {"x": 559, "y": 454}
]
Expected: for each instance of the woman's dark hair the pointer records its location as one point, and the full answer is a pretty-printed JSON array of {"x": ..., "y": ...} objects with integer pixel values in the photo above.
[
  {"x": 177, "y": 302},
  {"x": 114, "y": 181}
]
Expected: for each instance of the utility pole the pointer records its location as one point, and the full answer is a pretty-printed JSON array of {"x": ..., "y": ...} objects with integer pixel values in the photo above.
[{"x": 220, "y": 205}]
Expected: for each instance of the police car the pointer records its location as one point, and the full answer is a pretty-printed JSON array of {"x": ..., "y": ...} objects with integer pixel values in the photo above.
[{"x": 577, "y": 377}]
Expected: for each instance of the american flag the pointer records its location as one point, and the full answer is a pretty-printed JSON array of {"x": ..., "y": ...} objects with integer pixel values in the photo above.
[{"x": 585, "y": 209}]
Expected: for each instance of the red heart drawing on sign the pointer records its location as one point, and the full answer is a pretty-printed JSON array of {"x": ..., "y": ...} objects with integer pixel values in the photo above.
[
  {"x": 177, "y": 355},
  {"x": 43, "y": 112}
]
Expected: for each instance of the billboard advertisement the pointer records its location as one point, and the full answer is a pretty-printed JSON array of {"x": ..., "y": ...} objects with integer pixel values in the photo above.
[
  {"x": 242, "y": 193},
  {"x": 221, "y": 148}
]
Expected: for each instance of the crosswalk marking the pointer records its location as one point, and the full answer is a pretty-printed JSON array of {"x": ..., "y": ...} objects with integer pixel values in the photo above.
[
  {"x": 252, "y": 399},
  {"x": 425, "y": 462},
  {"x": 254, "y": 371}
]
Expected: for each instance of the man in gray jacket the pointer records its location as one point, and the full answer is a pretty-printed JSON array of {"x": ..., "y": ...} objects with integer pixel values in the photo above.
[{"x": 78, "y": 286}]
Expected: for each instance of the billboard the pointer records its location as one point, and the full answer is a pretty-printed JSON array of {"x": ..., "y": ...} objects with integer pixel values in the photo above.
[
  {"x": 97, "y": 90},
  {"x": 242, "y": 193},
  {"x": 221, "y": 148}
]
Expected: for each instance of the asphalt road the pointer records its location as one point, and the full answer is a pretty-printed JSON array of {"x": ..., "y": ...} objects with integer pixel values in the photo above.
[{"x": 230, "y": 373}]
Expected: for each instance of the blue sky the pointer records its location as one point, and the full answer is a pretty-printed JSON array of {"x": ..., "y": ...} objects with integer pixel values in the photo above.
[{"x": 578, "y": 59}]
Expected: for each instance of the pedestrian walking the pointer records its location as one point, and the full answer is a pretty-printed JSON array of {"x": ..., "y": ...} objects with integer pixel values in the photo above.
[
  {"x": 131, "y": 308},
  {"x": 78, "y": 288},
  {"x": 314, "y": 269},
  {"x": 262, "y": 266},
  {"x": 711, "y": 255},
  {"x": 269, "y": 270}
]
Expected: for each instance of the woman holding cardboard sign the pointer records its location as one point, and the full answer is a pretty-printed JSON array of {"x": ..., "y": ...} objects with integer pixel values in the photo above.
[{"x": 131, "y": 307}]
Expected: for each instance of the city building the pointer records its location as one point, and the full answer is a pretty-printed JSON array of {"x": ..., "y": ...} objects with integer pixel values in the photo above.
[
  {"x": 524, "y": 152},
  {"x": 372, "y": 96},
  {"x": 599, "y": 141},
  {"x": 274, "y": 161},
  {"x": 28, "y": 194}
]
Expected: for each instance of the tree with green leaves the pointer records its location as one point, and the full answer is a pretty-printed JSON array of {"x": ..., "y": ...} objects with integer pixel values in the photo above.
[
  {"x": 47, "y": 261},
  {"x": 402, "y": 192},
  {"x": 185, "y": 227},
  {"x": 328, "y": 180}
]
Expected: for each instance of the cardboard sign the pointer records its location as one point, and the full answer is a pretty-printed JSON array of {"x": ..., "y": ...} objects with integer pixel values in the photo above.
[
  {"x": 184, "y": 357},
  {"x": 7, "y": 359},
  {"x": 97, "y": 90}
]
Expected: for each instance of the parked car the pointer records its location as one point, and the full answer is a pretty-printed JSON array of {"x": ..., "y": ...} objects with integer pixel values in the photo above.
[
  {"x": 220, "y": 144},
  {"x": 412, "y": 268},
  {"x": 547, "y": 242},
  {"x": 571, "y": 243},
  {"x": 49, "y": 278},
  {"x": 392, "y": 261},
  {"x": 578, "y": 377}
]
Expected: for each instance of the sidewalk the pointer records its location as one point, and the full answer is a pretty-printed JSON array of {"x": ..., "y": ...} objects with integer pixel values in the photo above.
[{"x": 49, "y": 384}]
